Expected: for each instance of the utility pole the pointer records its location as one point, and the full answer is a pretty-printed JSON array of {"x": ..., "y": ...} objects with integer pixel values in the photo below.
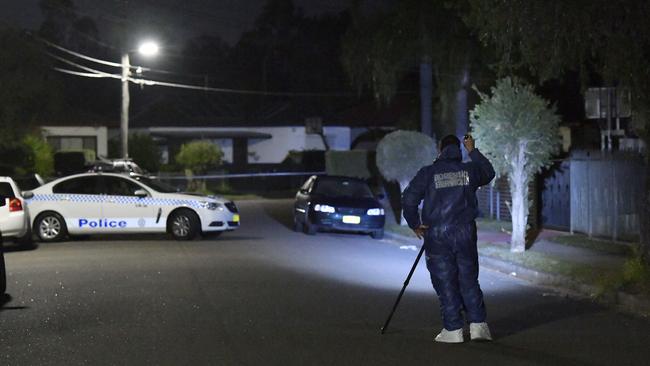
[{"x": 124, "y": 120}]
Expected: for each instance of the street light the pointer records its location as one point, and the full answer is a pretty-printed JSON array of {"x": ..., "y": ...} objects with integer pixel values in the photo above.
[{"x": 149, "y": 49}]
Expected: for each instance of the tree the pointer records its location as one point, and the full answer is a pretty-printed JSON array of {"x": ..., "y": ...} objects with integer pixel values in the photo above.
[
  {"x": 518, "y": 131},
  {"x": 144, "y": 151},
  {"x": 401, "y": 154},
  {"x": 29, "y": 92},
  {"x": 197, "y": 157},
  {"x": 42, "y": 155},
  {"x": 546, "y": 39},
  {"x": 379, "y": 51}
]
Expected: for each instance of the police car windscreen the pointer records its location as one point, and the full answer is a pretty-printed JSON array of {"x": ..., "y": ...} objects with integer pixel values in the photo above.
[
  {"x": 342, "y": 188},
  {"x": 157, "y": 185}
]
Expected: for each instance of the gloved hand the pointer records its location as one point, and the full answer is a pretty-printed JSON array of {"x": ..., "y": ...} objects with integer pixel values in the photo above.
[{"x": 420, "y": 231}]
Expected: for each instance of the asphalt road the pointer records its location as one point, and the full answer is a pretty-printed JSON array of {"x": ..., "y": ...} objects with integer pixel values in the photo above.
[{"x": 264, "y": 295}]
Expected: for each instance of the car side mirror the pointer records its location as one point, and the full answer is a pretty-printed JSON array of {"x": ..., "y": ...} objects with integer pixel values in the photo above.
[
  {"x": 303, "y": 191},
  {"x": 141, "y": 193},
  {"x": 27, "y": 195}
]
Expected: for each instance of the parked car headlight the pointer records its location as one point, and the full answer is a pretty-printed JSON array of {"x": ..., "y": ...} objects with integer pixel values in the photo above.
[
  {"x": 375, "y": 212},
  {"x": 211, "y": 205},
  {"x": 324, "y": 208}
]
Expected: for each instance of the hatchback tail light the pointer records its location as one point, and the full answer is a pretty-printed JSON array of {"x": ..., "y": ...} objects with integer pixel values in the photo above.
[{"x": 15, "y": 205}]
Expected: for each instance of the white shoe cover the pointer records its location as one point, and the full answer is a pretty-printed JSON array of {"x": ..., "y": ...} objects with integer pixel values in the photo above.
[
  {"x": 450, "y": 336},
  {"x": 479, "y": 332}
]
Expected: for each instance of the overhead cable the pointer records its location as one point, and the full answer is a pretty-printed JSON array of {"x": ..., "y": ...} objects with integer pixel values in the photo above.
[{"x": 142, "y": 81}]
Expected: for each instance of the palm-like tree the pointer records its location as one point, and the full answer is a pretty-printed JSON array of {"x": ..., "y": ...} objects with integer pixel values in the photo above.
[{"x": 381, "y": 49}]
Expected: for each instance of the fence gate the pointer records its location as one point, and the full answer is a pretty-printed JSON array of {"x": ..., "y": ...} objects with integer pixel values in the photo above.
[{"x": 556, "y": 197}]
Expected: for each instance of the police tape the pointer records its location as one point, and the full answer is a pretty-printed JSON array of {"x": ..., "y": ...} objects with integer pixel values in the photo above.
[{"x": 242, "y": 175}]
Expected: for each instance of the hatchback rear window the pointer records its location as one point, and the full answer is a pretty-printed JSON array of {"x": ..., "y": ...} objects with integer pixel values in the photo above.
[
  {"x": 5, "y": 192},
  {"x": 342, "y": 188}
]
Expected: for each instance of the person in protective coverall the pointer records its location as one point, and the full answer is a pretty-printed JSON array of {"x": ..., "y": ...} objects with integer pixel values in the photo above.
[{"x": 447, "y": 224}]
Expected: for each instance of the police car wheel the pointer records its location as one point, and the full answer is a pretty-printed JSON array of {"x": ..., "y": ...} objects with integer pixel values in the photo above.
[
  {"x": 50, "y": 226},
  {"x": 377, "y": 234},
  {"x": 184, "y": 225}
]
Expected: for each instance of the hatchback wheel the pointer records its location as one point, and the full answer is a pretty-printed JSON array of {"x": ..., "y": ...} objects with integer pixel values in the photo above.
[
  {"x": 26, "y": 240},
  {"x": 3, "y": 276},
  {"x": 309, "y": 228},
  {"x": 297, "y": 225},
  {"x": 184, "y": 225},
  {"x": 50, "y": 227}
]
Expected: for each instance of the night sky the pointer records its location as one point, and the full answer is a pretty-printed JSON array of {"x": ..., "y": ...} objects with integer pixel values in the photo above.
[{"x": 184, "y": 18}]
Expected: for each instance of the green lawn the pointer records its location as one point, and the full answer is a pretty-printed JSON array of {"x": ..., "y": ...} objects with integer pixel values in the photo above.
[
  {"x": 631, "y": 277},
  {"x": 493, "y": 225},
  {"x": 605, "y": 246}
]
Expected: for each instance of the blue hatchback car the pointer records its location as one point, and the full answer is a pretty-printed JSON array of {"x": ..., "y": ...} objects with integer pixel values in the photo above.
[{"x": 338, "y": 203}]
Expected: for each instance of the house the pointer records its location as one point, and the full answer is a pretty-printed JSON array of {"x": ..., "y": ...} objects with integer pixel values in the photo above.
[
  {"x": 263, "y": 133},
  {"x": 80, "y": 131}
]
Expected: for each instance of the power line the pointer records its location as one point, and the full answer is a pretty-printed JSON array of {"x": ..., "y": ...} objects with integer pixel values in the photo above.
[
  {"x": 77, "y": 65},
  {"x": 115, "y": 64},
  {"x": 241, "y": 91},
  {"x": 97, "y": 73},
  {"x": 87, "y": 74},
  {"x": 76, "y": 54}
]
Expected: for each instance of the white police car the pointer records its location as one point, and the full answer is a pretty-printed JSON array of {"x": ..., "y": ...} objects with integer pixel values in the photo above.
[{"x": 99, "y": 203}]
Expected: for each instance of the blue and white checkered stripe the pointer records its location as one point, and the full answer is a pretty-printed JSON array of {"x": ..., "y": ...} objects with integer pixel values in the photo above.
[{"x": 90, "y": 198}]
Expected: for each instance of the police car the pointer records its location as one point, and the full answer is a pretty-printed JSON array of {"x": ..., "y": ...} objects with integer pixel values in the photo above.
[{"x": 100, "y": 203}]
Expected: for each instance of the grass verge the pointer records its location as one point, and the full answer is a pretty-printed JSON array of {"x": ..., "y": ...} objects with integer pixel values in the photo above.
[
  {"x": 493, "y": 225},
  {"x": 605, "y": 280},
  {"x": 399, "y": 229},
  {"x": 604, "y": 246}
]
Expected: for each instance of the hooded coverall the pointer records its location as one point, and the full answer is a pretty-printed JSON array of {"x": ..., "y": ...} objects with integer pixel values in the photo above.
[{"x": 448, "y": 188}]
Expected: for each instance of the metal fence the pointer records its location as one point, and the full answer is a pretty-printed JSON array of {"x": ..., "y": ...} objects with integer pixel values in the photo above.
[
  {"x": 495, "y": 201},
  {"x": 607, "y": 191},
  {"x": 555, "y": 187}
]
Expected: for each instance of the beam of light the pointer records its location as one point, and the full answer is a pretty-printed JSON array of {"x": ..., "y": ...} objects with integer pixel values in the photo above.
[{"x": 382, "y": 265}]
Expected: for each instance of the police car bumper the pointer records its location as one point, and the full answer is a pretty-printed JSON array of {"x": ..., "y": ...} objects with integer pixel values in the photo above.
[{"x": 223, "y": 222}]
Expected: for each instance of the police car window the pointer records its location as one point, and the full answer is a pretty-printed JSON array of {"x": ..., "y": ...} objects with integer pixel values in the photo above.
[
  {"x": 116, "y": 186},
  {"x": 156, "y": 185},
  {"x": 81, "y": 185}
]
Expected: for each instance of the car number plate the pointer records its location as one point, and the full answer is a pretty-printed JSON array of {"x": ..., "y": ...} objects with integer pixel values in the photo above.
[
  {"x": 235, "y": 218},
  {"x": 347, "y": 219}
]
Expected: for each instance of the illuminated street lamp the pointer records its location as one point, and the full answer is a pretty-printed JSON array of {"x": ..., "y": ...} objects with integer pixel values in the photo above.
[{"x": 148, "y": 49}]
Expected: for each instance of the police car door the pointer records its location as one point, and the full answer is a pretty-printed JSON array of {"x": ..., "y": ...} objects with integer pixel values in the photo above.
[
  {"x": 79, "y": 201},
  {"x": 124, "y": 211}
]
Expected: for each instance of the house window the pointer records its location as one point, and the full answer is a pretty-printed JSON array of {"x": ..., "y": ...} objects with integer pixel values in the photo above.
[{"x": 68, "y": 143}]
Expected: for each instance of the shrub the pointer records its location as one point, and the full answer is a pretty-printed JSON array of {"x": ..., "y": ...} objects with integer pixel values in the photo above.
[{"x": 353, "y": 163}]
